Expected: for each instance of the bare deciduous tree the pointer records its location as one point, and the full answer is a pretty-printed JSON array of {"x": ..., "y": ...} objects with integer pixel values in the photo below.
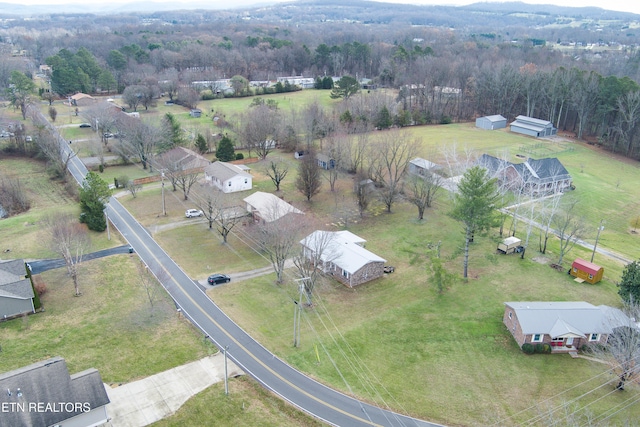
[
  {"x": 423, "y": 190},
  {"x": 138, "y": 140},
  {"x": 13, "y": 198},
  {"x": 308, "y": 181},
  {"x": 363, "y": 192},
  {"x": 218, "y": 210},
  {"x": 569, "y": 227},
  {"x": 49, "y": 144},
  {"x": 622, "y": 349},
  {"x": 389, "y": 156},
  {"x": 185, "y": 181},
  {"x": 150, "y": 284},
  {"x": 102, "y": 117},
  {"x": 259, "y": 129},
  {"x": 317, "y": 251},
  {"x": 549, "y": 210},
  {"x": 70, "y": 240},
  {"x": 280, "y": 237},
  {"x": 277, "y": 171},
  {"x": 133, "y": 188}
]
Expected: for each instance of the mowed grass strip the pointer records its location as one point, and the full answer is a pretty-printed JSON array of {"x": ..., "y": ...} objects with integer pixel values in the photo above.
[{"x": 248, "y": 404}]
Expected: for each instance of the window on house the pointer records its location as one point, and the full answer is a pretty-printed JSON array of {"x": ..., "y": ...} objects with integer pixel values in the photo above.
[
  {"x": 345, "y": 274},
  {"x": 536, "y": 338},
  {"x": 229, "y": 183},
  {"x": 591, "y": 276},
  {"x": 594, "y": 337},
  {"x": 246, "y": 180},
  {"x": 510, "y": 315},
  {"x": 575, "y": 270}
]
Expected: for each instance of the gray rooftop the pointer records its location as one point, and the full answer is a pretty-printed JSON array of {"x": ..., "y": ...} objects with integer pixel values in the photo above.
[
  {"x": 48, "y": 382},
  {"x": 563, "y": 319},
  {"x": 224, "y": 171},
  {"x": 13, "y": 283}
]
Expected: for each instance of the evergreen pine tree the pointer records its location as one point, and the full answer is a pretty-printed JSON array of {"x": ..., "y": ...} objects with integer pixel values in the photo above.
[{"x": 225, "y": 151}]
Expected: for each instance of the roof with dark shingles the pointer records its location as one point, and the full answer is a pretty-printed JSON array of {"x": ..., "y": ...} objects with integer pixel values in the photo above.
[
  {"x": 13, "y": 283},
  {"x": 541, "y": 170},
  {"x": 46, "y": 382}
]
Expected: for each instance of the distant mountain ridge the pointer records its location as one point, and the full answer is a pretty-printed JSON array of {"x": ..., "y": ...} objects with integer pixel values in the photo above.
[{"x": 340, "y": 8}]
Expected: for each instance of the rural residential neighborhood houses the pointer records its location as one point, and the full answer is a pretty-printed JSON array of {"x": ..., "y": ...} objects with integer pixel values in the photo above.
[
  {"x": 535, "y": 177},
  {"x": 16, "y": 289},
  {"x": 344, "y": 257},
  {"x": 422, "y": 167},
  {"x": 181, "y": 159},
  {"x": 267, "y": 207},
  {"x": 565, "y": 326},
  {"x": 415, "y": 85},
  {"x": 228, "y": 177},
  {"x": 44, "y": 394}
]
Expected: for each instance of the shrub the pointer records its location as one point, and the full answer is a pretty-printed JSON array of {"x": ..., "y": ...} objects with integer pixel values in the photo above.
[
  {"x": 122, "y": 181},
  {"x": 101, "y": 168},
  {"x": 528, "y": 348},
  {"x": 538, "y": 348},
  {"x": 239, "y": 156},
  {"x": 546, "y": 348},
  {"x": 40, "y": 288}
]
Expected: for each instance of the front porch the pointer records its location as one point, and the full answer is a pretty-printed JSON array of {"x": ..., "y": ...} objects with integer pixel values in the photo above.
[{"x": 565, "y": 344}]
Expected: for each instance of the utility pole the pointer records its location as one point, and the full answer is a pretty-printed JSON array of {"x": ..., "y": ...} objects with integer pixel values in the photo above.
[
  {"x": 600, "y": 228},
  {"x": 297, "y": 312},
  {"x": 106, "y": 215},
  {"x": 164, "y": 210},
  {"x": 226, "y": 376}
]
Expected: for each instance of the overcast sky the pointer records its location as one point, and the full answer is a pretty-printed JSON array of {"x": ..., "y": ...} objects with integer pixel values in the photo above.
[{"x": 621, "y": 5}]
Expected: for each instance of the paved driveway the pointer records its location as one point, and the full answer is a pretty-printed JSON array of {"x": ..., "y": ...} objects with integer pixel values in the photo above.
[{"x": 146, "y": 401}]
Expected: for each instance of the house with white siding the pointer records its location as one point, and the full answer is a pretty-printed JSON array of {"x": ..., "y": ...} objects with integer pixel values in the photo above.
[{"x": 227, "y": 177}]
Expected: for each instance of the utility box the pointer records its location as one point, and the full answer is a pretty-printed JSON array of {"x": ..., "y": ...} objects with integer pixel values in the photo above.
[{"x": 510, "y": 245}]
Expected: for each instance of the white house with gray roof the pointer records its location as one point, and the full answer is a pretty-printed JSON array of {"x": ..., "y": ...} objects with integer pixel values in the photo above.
[
  {"x": 44, "y": 394},
  {"x": 267, "y": 207},
  {"x": 566, "y": 326},
  {"x": 228, "y": 177},
  {"x": 343, "y": 256},
  {"x": 422, "y": 167},
  {"x": 16, "y": 290}
]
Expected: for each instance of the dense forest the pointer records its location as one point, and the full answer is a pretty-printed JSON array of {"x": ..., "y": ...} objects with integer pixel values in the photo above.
[{"x": 578, "y": 68}]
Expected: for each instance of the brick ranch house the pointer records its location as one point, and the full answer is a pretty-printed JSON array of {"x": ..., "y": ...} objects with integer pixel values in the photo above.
[
  {"x": 566, "y": 326},
  {"x": 344, "y": 256}
]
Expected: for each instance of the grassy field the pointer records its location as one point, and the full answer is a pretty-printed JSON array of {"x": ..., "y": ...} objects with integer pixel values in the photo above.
[
  {"x": 108, "y": 328},
  {"x": 248, "y": 404}
]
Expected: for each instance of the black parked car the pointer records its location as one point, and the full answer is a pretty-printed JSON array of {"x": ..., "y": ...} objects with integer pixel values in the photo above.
[{"x": 216, "y": 279}]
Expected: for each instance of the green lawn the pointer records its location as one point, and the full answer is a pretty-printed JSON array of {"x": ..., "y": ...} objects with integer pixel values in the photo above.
[
  {"x": 248, "y": 404},
  {"x": 108, "y": 328},
  {"x": 445, "y": 357}
]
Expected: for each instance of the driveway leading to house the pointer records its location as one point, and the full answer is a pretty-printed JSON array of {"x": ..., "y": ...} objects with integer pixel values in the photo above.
[{"x": 40, "y": 266}]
